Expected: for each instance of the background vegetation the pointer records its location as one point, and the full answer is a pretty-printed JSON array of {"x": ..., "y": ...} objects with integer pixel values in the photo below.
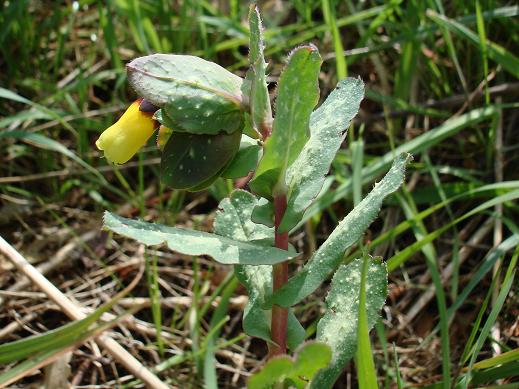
[{"x": 442, "y": 83}]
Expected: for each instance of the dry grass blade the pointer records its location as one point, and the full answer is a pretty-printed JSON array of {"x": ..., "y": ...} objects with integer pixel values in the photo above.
[{"x": 75, "y": 313}]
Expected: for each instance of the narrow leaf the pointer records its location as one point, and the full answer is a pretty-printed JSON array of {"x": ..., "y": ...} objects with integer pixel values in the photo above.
[
  {"x": 260, "y": 109},
  {"x": 495, "y": 52},
  {"x": 338, "y": 326},
  {"x": 39, "y": 140},
  {"x": 328, "y": 125},
  {"x": 298, "y": 93},
  {"x": 414, "y": 146},
  {"x": 328, "y": 257},
  {"x": 190, "y": 242},
  {"x": 364, "y": 356}
]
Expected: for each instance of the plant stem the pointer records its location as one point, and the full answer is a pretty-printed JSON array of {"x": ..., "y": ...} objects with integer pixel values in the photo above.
[{"x": 278, "y": 326}]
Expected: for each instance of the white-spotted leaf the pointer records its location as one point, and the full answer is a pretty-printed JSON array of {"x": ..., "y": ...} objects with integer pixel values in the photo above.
[
  {"x": 222, "y": 249},
  {"x": 328, "y": 125},
  {"x": 338, "y": 327},
  {"x": 233, "y": 219},
  {"x": 328, "y": 257},
  {"x": 298, "y": 93}
]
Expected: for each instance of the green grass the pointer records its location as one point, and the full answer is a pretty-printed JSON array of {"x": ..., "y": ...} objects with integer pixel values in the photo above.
[{"x": 62, "y": 82}]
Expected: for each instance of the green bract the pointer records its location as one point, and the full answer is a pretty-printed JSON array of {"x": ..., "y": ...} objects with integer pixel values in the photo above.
[
  {"x": 201, "y": 103},
  {"x": 193, "y": 162}
]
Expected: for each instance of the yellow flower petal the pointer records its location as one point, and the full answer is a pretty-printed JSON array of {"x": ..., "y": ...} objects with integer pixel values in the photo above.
[{"x": 122, "y": 140}]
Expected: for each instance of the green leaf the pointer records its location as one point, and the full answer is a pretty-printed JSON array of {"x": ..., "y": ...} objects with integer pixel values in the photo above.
[
  {"x": 245, "y": 160},
  {"x": 44, "y": 111},
  {"x": 495, "y": 52},
  {"x": 62, "y": 336},
  {"x": 509, "y": 356},
  {"x": 233, "y": 220},
  {"x": 263, "y": 213},
  {"x": 507, "y": 370},
  {"x": 190, "y": 242},
  {"x": 338, "y": 326},
  {"x": 364, "y": 356},
  {"x": 415, "y": 146},
  {"x": 202, "y": 115},
  {"x": 40, "y": 348},
  {"x": 298, "y": 93},
  {"x": 309, "y": 359},
  {"x": 256, "y": 84},
  {"x": 328, "y": 125},
  {"x": 195, "y": 161},
  {"x": 44, "y": 142},
  {"x": 196, "y": 96},
  {"x": 328, "y": 257}
]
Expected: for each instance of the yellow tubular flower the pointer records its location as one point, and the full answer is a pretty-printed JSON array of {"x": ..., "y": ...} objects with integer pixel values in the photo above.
[{"x": 122, "y": 140}]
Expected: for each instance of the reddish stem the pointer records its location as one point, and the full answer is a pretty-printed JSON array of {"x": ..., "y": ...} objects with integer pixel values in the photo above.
[{"x": 278, "y": 326}]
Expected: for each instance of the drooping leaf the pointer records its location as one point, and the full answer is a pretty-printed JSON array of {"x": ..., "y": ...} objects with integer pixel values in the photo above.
[
  {"x": 298, "y": 93},
  {"x": 233, "y": 220},
  {"x": 328, "y": 257},
  {"x": 297, "y": 372},
  {"x": 256, "y": 84},
  {"x": 328, "y": 125},
  {"x": 196, "y": 96},
  {"x": 246, "y": 159},
  {"x": 190, "y": 160},
  {"x": 222, "y": 249},
  {"x": 338, "y": 327}
]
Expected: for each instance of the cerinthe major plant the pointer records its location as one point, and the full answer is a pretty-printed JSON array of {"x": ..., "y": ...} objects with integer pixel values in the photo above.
[{"x": 212, "y": 123}]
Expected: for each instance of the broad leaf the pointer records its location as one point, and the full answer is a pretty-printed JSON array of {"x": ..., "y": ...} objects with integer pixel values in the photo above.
[
  {"x": 298, "y": 93},
  {"x": 224, "y": 250},
  {"x": 196, "y": 96},
  {"x": 245, "y": 160},
  {"x": 195, "y": 161},
  {"x": 256, "y": 84},
  {"x": 297, "y": 372},
  {"x": 203, "y": 115},
  {"x": 338, "y": 326},
  {"x": 233, "y": 220},
  {"x": 328, "y": 257},
  {"x": 328, "y": 125}
]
